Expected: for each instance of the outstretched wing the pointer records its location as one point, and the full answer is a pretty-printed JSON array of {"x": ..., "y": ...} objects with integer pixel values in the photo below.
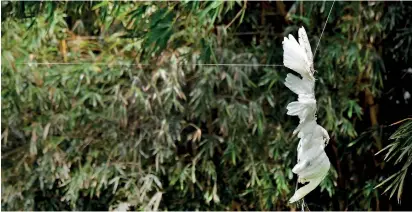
[{"x": 295, "y": 58}]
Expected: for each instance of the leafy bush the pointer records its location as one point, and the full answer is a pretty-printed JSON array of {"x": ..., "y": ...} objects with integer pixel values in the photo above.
[{"x": 138, "y": 117}]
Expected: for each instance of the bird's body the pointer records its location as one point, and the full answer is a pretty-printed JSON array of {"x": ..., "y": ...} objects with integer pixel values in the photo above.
[{"x": 313, "y": 163}]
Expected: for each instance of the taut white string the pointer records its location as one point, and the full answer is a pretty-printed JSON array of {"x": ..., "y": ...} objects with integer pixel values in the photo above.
[
  {"x": 321, "y": 34},
  {"x": 142, "y": 64}
]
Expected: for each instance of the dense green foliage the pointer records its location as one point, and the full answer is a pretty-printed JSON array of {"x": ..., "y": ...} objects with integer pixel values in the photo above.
[
  {"x": 135, "y": 118},
  {"x": 401, "y": 150}
]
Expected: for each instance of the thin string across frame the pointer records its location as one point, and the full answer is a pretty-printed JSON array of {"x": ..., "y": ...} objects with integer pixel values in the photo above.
[{"x": 142, "y": 64}]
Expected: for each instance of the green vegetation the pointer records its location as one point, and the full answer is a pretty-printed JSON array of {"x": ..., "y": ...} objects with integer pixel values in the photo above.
[{"x": 133, "y": 120}]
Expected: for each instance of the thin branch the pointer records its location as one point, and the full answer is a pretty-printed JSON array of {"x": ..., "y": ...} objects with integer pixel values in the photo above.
[
  {"x": 398, "y": 122},
  {"x": 237, "y": 15}
]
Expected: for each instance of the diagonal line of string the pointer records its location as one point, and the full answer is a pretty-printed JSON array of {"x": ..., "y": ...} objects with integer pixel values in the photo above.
[{"x": 324, "y": 26}]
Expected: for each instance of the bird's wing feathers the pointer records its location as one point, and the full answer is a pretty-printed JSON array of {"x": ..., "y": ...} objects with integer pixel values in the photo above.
[
  {"x": 304, "y": 43},
  {"x": 295, "y": 58},
  {"x": 300, "y": 86}
]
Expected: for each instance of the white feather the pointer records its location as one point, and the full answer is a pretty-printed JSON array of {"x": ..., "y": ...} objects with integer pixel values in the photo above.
[
  {"x": 300, "y": 86},
  {"x": 301, "y": 192},
  {"x": 304, "y": 43}
]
